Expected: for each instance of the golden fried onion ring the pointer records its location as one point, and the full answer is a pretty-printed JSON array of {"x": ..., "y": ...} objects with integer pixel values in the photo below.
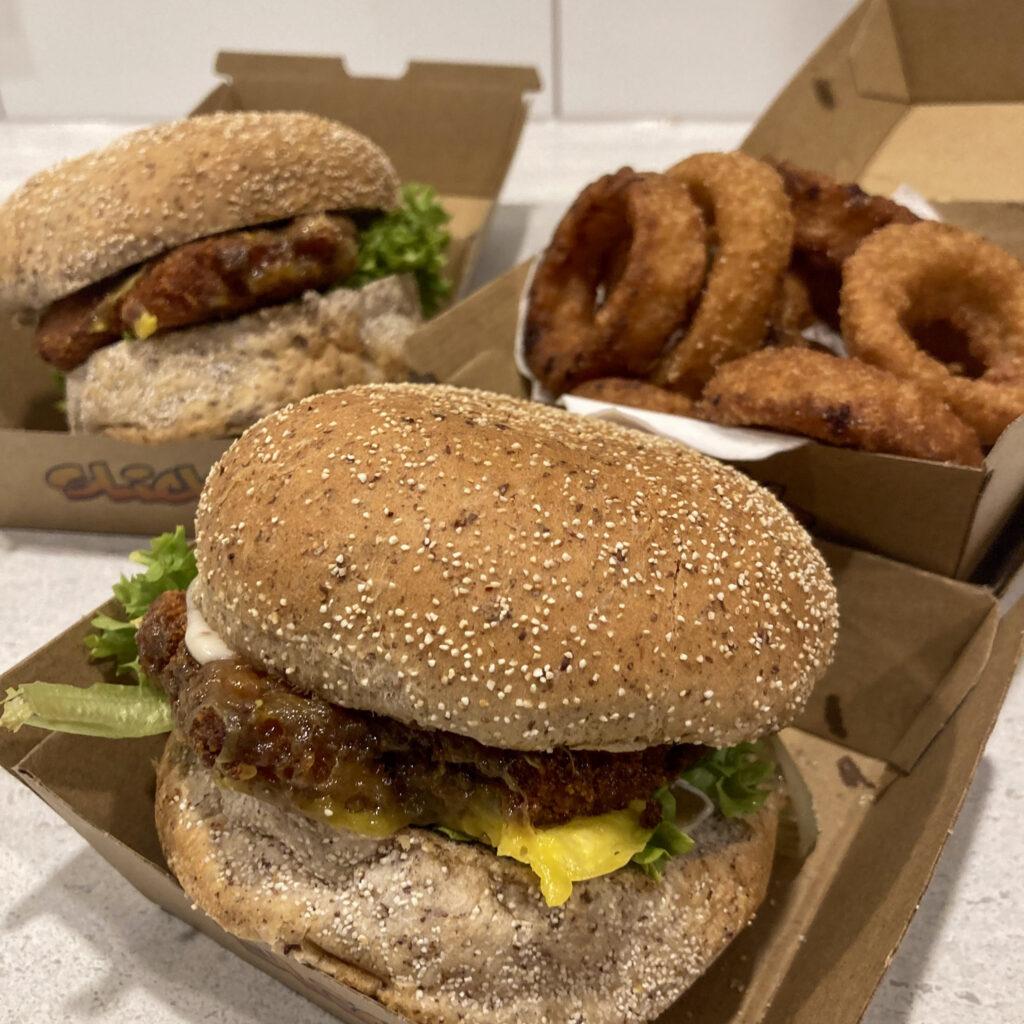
[
  {"x": 638, "y": 241},
  {"x": 904, "y": 280},
  {"x": 746, "y": 208},
  {"x": 838, "y": 401},
  {"x": 638, "y": 394}
]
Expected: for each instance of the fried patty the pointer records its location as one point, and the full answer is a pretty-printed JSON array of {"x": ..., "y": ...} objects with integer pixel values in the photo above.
[
  {"x": 250, "y": 723},
  {"x": 211, "y": 279},
  {"x": 832, "y": 219}
]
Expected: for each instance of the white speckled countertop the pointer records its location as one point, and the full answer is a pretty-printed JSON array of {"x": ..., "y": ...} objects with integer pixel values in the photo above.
[{"x": 77, "y": 942}]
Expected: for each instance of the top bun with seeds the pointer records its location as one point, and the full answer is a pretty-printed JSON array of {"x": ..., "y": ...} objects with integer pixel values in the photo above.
[
  {"x": 511, "y": 572},
  {"x": 158, "y": 188}
]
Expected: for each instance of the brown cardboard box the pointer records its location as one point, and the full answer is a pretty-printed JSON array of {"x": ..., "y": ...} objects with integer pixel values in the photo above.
[
  {"x": 453, "y": 126},
  {"x": 888, "y": 748},
  {"x": 883, "y": 102}
]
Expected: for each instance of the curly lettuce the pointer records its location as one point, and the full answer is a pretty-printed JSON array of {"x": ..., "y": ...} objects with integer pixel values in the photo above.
[
  {"x": 112, "y": 710},
  {"x": 411, "y": 239},
  {"x": 667, "y": 840},
  {"x": 737, "y": 779}
]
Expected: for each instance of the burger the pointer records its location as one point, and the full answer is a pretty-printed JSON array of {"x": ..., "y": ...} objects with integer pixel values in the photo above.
[
  {"x": 468, "y": 699},
  {"x": 194, "y": 276}
]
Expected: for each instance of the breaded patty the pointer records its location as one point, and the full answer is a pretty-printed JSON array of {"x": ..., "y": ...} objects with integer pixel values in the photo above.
[
  {"x": 249, "y": 722},
  {"x": 211, "y": 279}
]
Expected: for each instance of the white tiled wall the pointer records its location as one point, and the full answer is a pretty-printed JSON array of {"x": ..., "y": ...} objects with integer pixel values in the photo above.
[
  {"x": 142, "y": 59},
  {"x": 709, "y": 59}
]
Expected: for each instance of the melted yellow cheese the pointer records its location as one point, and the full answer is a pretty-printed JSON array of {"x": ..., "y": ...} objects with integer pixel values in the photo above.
[
  {"x": 145, "y": 324},
  {"x": 559, "y": 856},
  {"x": 580, "y": 849}
]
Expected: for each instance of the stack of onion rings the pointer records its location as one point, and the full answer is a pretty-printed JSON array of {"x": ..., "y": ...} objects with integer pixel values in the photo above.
[
  {"x": 618, "y": 278},
  {"x": 658, "y": 291},
  {"x": 839, "y": 401},
  {"x": 745, "y": 202},
  {"x": 908, "y": 277}
]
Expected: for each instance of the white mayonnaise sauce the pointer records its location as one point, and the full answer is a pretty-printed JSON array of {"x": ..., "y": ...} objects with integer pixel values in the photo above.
[{"x": 203, "y": 644}]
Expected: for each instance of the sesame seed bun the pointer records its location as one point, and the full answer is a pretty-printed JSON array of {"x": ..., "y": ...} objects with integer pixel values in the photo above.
[
  {"x": 446, "y": 932},
  {"x": 155, "y": 189},
  {"x": 216, "y": 379},
  {"x": 511, "y": 572}
]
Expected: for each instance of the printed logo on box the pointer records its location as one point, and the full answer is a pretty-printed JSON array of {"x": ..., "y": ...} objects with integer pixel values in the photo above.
[{"x": 136, "y": 481}]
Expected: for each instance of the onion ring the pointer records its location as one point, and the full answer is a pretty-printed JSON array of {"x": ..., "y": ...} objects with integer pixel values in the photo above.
[
  {"x": 635, "y": 240},
  {"x": 840, "y": 402},
  {"x": 907, "y": 284},
  {"x": 638, "y": 394},
  {"x": 832, "y": 218},
  {"x": 744, "y": 200},
  {"x": 790, "y": 315}
]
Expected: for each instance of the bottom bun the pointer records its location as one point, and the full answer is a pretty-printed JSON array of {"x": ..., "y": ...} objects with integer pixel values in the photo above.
[
  {"x": 442, "y": 931},
  {"x": 216, "y": 379}
]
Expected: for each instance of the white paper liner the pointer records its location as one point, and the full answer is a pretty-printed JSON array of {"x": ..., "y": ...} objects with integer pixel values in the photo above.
[{"x": 732, "y": 444}]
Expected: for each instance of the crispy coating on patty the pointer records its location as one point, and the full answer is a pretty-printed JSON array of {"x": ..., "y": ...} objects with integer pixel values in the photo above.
[
  {"x": 213, "y": 278},
  {"x": 246, "y": 721},
  {"x": 839, "y": 401}
]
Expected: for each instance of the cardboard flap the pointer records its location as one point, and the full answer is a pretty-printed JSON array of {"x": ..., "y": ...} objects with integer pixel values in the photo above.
[
  {"x": 821, "y": 119},
  {"x": 902, "y": 666},
  {"x": 875, "y": 56},
  {"x": 866, "y": 912},
  {"x": 477, "y": 332},
  {"x": 940, "y": 45},
  {"x": 919, "y": 512},
  {"x": 99, "y": 483},
  {"x": 238, "y": 66},
  {"x": 999, "y": 506},
  {"x": 453, "y": 126},
  {"x": 918, "y": 51},
  {"x": 60, "y": 661},
  {"x": 511, "y": 78}
]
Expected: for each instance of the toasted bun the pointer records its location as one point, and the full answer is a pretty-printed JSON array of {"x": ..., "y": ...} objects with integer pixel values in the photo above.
[
  {"x": 158, "y": 188},
  {"x": 217, "y": 379},
  {"x": 444, "y": 932},
  {"x": 511, "y": 572}
]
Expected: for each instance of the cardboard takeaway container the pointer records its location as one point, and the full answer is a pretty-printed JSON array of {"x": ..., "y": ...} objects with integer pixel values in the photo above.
[
  {"x": 932, "y": 96},
  {"x": 887, "y": 747},
  {"x": 452, "y": 126},
  {"x": 884, "y": 102}
]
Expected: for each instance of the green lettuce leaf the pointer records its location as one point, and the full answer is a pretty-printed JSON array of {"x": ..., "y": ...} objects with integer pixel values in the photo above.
[
  {"x": 113, "y": 710},
  {"x": 667, "y": 840},
  {"x": 735, "y": 778},
  {"x": 411, "y": 239},
  {"x": 169, "y": 565},
  {"x": 110, "y": 710}
]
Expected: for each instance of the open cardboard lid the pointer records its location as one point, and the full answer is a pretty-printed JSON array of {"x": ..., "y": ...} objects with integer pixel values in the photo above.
[
  {"x": 921, "y": 657},
  {"x": 453, "y": 126},
  {"x": 919, "y": 93}
]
